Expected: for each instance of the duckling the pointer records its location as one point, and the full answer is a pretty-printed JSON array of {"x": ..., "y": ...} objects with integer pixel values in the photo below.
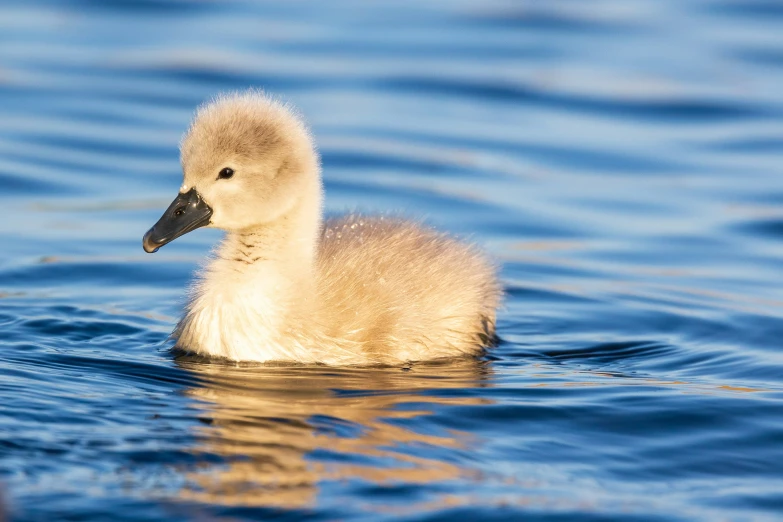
[{"x": 284, "y": 285}]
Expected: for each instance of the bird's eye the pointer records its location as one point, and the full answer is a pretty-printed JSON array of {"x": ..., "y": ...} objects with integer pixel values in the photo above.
[{"x": 226, "y": 173}]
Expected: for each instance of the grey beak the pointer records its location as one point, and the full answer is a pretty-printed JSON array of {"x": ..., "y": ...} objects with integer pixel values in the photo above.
[{"x": 186, "y": 213}]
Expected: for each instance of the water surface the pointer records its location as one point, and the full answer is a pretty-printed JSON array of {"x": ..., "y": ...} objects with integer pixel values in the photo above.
[{"x": 621, "y": 159}]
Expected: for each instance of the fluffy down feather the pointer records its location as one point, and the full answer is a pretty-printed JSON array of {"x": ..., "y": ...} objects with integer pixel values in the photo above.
[{"x": 284, "y": 286}]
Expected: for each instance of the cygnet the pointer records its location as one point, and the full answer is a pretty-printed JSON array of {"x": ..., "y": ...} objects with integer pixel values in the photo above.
[{"x": 283, "y": 285}]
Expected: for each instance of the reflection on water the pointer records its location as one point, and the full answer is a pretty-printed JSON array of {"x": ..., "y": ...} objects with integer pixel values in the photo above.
[
  {"x": 266, "y": 423},
  {"x": 282, "y": 437}
]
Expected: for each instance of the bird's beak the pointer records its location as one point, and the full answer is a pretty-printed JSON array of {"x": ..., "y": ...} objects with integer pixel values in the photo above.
[{"x": 187, "y": 212}]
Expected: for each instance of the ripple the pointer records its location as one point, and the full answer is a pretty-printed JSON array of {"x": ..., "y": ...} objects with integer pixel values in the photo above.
[
  {"x": 683, "y": 110},
  {"x": 754, "y": 9},
  {"x": 619, "y": 158},
  {"x": 771, "y": 228},
  {"x": 617, "y": 352}
]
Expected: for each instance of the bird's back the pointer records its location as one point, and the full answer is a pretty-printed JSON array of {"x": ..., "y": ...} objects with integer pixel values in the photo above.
[{"x": 398, "y": 291}]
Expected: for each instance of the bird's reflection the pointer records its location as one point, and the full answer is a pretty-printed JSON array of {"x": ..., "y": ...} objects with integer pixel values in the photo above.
[{"x": 273, "y": 435}]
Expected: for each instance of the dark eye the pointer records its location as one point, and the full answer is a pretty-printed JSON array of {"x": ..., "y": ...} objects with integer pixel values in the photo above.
[{"x": 226, "y": 173}]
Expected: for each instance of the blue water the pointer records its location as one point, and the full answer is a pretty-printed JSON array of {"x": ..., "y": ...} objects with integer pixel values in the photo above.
[{"x": 622, "y": 159}]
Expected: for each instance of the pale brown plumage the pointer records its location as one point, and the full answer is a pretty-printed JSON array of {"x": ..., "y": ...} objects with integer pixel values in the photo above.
[
  {"x": 403, "y": 291},
  {"x": 283, "y": 286}
]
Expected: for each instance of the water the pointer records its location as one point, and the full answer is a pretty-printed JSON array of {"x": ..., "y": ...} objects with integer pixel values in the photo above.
[{"x": 622, "y": 160}]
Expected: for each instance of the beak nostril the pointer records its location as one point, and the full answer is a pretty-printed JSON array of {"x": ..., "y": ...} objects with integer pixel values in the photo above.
[{"x": 186, "y": 213}]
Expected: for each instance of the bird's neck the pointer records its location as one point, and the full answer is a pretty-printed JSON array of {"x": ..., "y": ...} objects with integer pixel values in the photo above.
[
  {"x": 259, "y": 284},
  {"x": 284, "y": 249}
]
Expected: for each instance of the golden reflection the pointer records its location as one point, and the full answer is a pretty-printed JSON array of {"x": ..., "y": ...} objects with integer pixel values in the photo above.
[
  {"x": 278, "y": 436},
  {"x": 263, "y": 425}
]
